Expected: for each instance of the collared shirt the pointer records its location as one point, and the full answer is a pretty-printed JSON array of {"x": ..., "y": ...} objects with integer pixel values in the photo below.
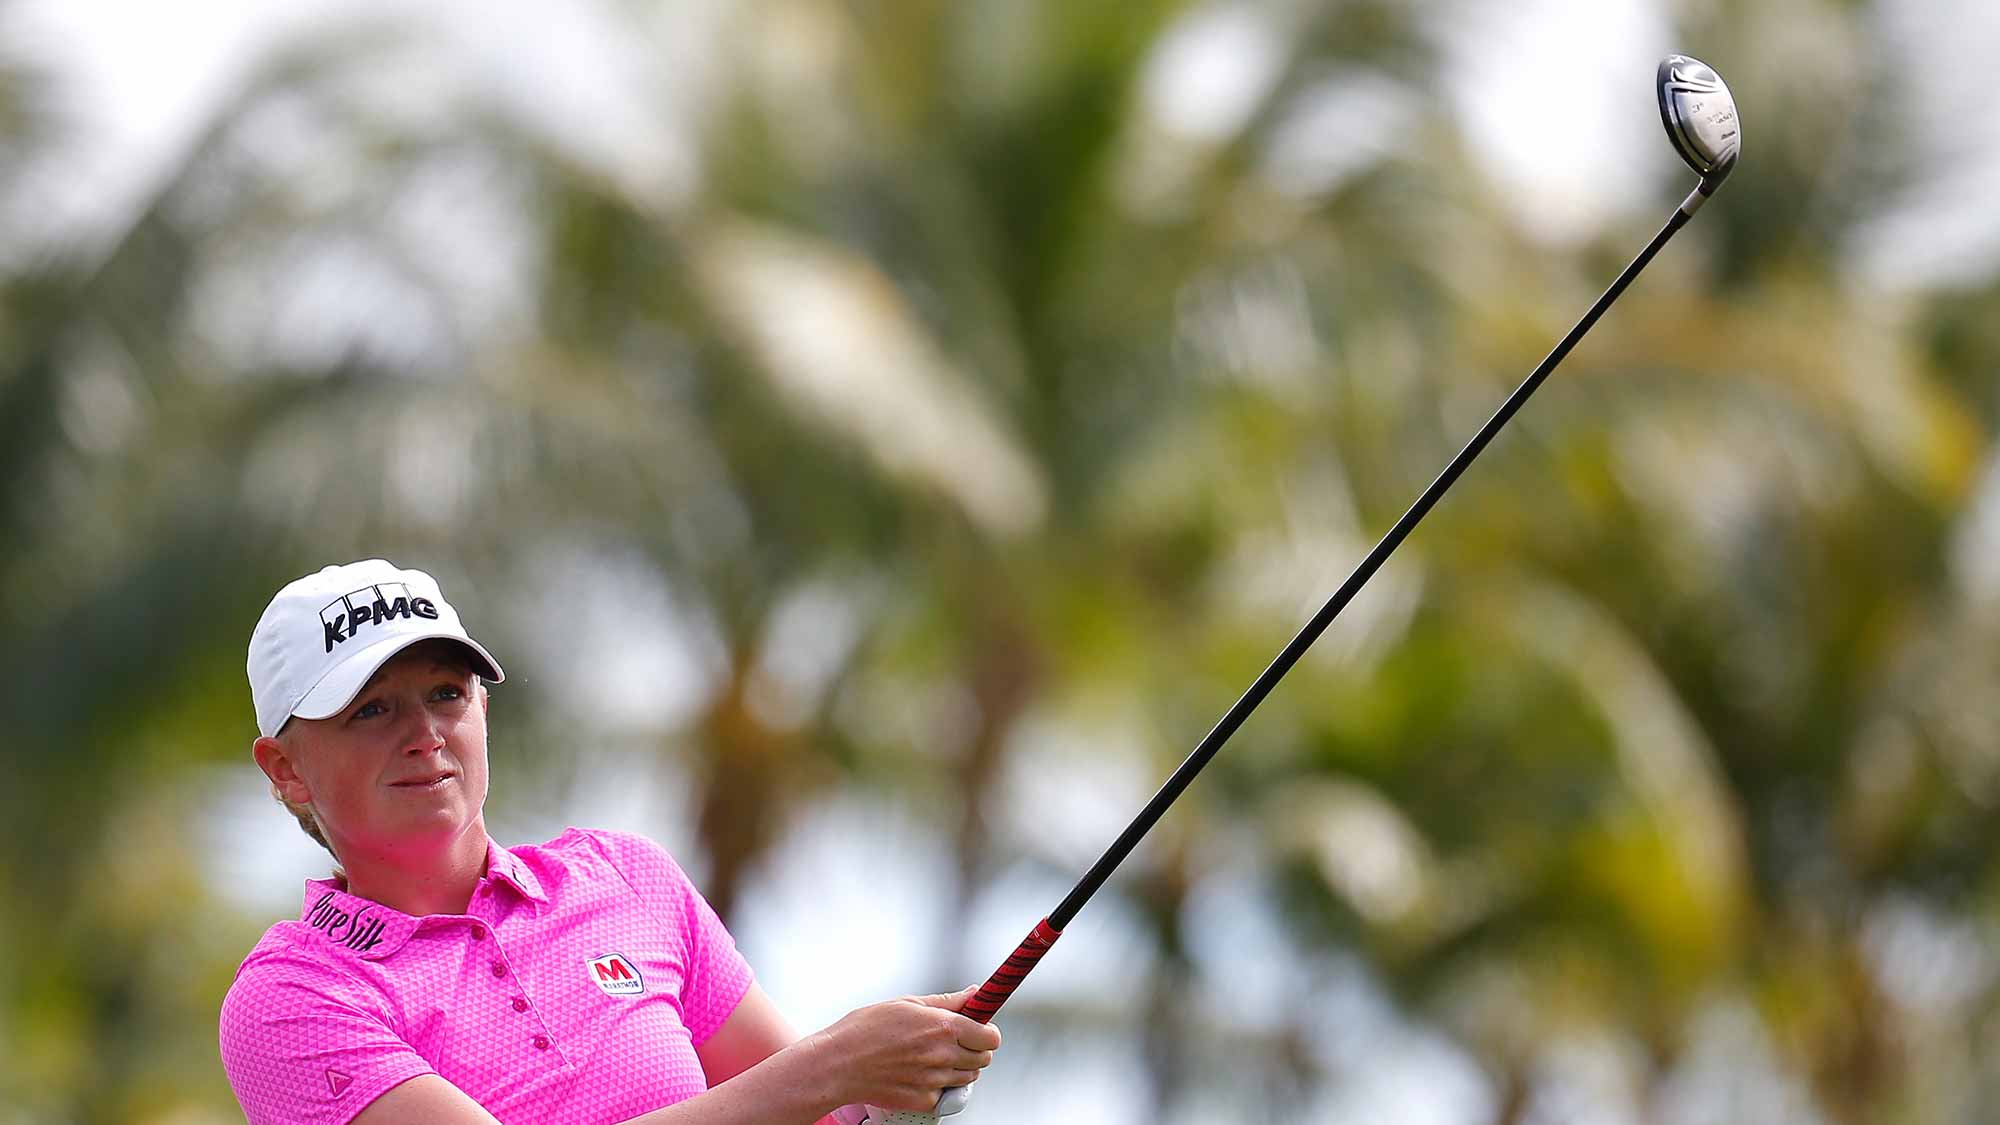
[{"x": 575, "y": 988}]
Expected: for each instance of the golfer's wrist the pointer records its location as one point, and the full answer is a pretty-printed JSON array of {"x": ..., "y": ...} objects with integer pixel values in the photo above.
[{"x": 813, "y": 1068}]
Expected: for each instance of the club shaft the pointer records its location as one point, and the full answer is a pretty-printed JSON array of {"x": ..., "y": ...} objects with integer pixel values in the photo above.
[
  {"x": 1393, "y": 538},
  {"x": 1390, "y": 540},
  {"x": 1004, "y": 981}
]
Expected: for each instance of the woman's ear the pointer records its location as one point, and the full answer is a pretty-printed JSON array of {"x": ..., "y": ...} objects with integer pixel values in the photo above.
[{"x": 277, "y": 761}]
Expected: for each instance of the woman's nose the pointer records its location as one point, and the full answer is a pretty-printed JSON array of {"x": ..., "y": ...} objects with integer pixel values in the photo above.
[{"x": 424, "y": 731}]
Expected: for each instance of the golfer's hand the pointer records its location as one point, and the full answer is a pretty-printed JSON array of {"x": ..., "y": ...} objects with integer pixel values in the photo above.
[{"x": 901, "y": 1054}]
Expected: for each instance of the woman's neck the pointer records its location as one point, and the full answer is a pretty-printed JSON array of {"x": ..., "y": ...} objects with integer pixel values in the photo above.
[{"x": 420, "y": 882}]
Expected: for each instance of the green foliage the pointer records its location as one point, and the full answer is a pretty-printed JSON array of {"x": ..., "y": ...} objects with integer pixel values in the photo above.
[{"x": 1678, "y": 704}]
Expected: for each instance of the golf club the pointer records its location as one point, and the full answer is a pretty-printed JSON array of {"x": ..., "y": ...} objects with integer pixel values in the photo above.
[{"x": 1700, "y": 119}]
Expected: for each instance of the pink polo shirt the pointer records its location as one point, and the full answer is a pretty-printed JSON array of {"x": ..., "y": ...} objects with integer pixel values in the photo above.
[{"x": 574, "y": 989}]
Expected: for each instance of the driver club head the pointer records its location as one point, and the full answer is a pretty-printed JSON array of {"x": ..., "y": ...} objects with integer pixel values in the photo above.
[{"x": 1700, "y": 116}]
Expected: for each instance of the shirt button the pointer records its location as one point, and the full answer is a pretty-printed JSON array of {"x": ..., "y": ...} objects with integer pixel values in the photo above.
[
  {"x": 499, "y": 970},
  {"x": 541, "y": 1042},
  {"x": 478, "y": 934},
  {"x": 520, "y": 1005}
]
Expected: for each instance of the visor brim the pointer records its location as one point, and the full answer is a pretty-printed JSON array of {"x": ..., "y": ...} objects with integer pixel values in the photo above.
[{"x": 344, "y": 681}]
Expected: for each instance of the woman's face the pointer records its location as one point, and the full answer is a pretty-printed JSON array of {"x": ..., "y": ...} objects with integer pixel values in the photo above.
[{"x": 403, "y": 767}]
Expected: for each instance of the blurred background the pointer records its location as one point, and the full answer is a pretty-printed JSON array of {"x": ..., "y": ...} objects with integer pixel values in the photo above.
[{"x": 882, "y": 436}]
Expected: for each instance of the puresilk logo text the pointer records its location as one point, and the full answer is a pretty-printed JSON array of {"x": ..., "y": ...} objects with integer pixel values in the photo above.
[
  {"x": 360, "y": 932},
  {"x": 371, "y": 605}
]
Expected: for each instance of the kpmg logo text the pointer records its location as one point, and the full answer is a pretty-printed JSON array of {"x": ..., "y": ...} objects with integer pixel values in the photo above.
[{"x": 371, "y": 605}]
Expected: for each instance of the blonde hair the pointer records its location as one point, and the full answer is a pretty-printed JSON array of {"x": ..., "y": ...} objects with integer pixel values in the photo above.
[{"x": 308, "y": 822}]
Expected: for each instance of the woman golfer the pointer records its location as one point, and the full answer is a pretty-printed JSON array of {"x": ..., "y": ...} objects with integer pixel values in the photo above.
[{"x": 439, "y": 977}]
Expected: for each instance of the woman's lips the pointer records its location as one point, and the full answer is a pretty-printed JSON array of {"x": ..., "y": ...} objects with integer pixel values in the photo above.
[{"x": 432, "y": 781}]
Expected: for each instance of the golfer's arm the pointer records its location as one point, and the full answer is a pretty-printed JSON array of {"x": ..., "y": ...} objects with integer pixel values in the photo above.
[
  {"x": 755, "y": 1031},
  {"x": 427, "y": 1098},
  {"x": 751, "y": 1038},
  {"x": 755, "y": 1080}
]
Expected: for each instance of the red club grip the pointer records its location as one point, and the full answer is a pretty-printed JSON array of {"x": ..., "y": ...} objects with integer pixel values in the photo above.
[{"x": 1011, "y": 972}]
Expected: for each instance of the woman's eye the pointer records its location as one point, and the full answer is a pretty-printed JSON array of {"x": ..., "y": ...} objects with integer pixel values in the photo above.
[{"x": 368, "y": 710}]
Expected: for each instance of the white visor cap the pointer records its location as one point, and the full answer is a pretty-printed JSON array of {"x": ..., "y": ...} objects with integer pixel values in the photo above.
[{"x": 324, "y": 635}]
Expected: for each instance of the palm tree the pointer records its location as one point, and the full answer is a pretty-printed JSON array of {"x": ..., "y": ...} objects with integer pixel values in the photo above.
[{"x": 983, "y": 371}]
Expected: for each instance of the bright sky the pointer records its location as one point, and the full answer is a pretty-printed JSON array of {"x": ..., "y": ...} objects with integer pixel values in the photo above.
[
  {"x": 139, "y": 77},
  {"x": 136, "y": 81}
]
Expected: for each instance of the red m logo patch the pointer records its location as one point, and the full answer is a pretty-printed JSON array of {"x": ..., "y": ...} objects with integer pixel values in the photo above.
[{"x": 615, "y": 974}]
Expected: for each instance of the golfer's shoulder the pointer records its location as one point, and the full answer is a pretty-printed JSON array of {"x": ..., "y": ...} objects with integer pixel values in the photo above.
[
  {"x": 629, "y": 856},
  {"x": 286, "y": 948},
  {"x": 286, "y": 969}
]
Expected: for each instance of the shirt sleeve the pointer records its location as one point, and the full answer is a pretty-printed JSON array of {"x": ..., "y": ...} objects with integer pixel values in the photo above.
[
  {"x": 718, "y": 976},
  {"x": 302, "y": 1043}
]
